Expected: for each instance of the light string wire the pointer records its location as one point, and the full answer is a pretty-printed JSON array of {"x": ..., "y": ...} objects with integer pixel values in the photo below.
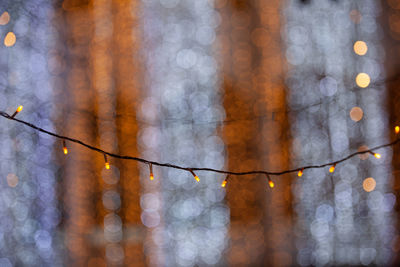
[{"x": 192, "y": 169}]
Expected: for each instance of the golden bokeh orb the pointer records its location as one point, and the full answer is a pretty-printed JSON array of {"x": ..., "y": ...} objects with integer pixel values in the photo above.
[
  {"x": 369, "y": 184},
  {"x": 10, "y": 39},
  {"x": 363, "y": 80},
  {"x": 360, "y": 48}
]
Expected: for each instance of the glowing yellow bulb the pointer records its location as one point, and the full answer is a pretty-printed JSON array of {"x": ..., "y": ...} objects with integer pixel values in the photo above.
[
  {"x": 332, "y": 168},
  {"x": 300, "y": 173},
  {"x": 360, "y": 48},
  {"x": 397, "y": 129},
  {"x": 194, "y": 175},
  {"x": 271, "y": 184},
  {"x": 17, "y": 111},
  {"x": 151, "y": 177},
  {"x": 363, "y": 80},
  {"x": 65, "y": 148},
  {"x": 107, "y": 165},
  {"x": 224, "y": 183},
  {"x": 377, "y": 155}
]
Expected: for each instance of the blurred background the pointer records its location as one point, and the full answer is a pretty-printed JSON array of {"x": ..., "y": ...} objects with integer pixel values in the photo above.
[{"x": 228, "y": 84}]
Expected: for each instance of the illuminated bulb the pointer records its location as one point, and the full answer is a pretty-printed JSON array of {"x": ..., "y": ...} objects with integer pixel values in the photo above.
[
  {"x": 106, "y": 164},
  {"x": 300, "y": 173},
  {"x": 151, "y": 172},
  {"x": 195, "y": 176},
  {"x": 332, "y": 168},
  {"x": 271, "y": 184},
  {"x": 397, "y": 129},
  {"x": 224, "y": 183},
  {"x": 377, "y": 155},
  {"x": 65, "y": 148},
  {"x": 17, "y": 111}
]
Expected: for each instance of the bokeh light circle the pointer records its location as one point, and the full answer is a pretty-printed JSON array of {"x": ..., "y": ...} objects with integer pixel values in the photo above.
[
  {"x": 360, "y": 48},
  {"x": 363, "y": 80},
  {"x": 369, "y": 184}
]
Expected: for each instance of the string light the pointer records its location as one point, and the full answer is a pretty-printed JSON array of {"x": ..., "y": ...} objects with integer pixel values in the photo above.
[
  {"x": 191, "y": 170},
  {"x": 151, "y": 172},
  {"x": 195, "y": 176},
  {"x": 300, "y": 173},
  {"x": 376, "y": 155},
  {"x": 224, "y": 182},
  {"x": 270, "y": 182},
  {"x": 397, "y": 129},
  {"x": 17, "y": 111},
  {"x": 107, "y": 164},
  {"x": 65, "y": 149},
  {"x": 332, "y": 168}
]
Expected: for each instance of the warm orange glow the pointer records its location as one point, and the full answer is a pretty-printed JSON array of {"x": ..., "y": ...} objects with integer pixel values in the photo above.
[
  {"x": 397, "y": 129},
  {"x": 19, "y": 108},
  {"x": 224, "y": 183},
  {"x": 332, "y": 168},
  {"x": 271, "y": 184},
  {"x": 10, "y": 39},
  {"x": 151, "y": 177},
  {"x": 363, "y": 80},
  {"x": 377, "y": 155},
  {"x": 300, "y": 173},
  {"x": 4, "y": 18},
  {"x": 356, "y": 113},
  {"x": 360, "y": 48},
  {"x": 107, "y": 165},
  {"x": 369, "y": 184}
]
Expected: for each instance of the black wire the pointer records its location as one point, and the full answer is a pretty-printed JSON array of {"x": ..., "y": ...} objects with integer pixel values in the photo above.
[{"x": 190, "y": 169}]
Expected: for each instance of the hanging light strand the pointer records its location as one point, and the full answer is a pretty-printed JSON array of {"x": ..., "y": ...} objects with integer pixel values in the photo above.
[{"x": 192, "y": 169}]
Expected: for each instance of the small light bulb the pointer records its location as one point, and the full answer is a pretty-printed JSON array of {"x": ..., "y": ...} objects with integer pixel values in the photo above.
[
  {"x": 195, "y": 176},
  {"x": 106, "y": 164},
  {"x": 377, "y": 155},
  {"x": 151, "y": 172},
  {"x": 17, "y": 111},
  {"x": 300, "y": 173},
  {"x": 65, "y": 149},
  {"x": 397, "y": 129},
  {"x": 271, "y": 184},
  {"x": 332, "y": 168},
  {"x": 224, "y": 183}
]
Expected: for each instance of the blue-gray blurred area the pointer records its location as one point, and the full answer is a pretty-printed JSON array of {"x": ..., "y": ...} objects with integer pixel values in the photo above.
[{"x": 30, "y": 217}]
